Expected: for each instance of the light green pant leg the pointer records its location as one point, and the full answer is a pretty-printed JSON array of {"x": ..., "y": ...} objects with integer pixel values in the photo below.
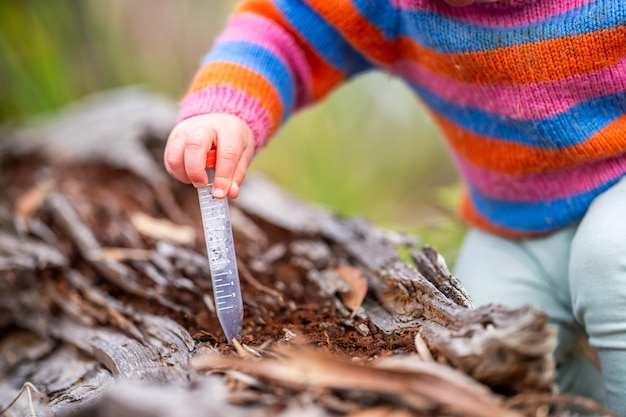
[
  {"x": 598, "y": 287},
  {"x": 531, "y": 271}
]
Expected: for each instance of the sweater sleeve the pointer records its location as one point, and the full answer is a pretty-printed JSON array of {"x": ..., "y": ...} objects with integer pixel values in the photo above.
[{"x": 274, "y": 57}]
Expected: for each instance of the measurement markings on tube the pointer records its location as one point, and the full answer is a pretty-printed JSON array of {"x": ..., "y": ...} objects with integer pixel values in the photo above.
[{"x": 222, "y": 260}]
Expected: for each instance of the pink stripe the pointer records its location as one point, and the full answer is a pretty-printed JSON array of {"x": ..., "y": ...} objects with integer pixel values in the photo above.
[
  {"x": 522, "y": 101},
  {"x": 264, "y": 32},
  {"x": 543, "y": 187},
  {"x": 488, "y": 15},
  {"x": 226, "y": 99}
]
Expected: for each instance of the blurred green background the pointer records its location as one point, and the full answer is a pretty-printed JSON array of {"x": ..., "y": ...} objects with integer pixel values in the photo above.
[{"x": 370, "y": 149}]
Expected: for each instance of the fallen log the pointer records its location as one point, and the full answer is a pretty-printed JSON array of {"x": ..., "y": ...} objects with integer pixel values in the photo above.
[{"x": 106, "y": 307}]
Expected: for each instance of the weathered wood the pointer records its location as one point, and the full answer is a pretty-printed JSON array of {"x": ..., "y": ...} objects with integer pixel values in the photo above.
[
  {"x": 420, "y": 386},
  {"x": 92, "y": 296},
  {"x": 468, "y": 338},
  {"x": 433, "y": 267}
]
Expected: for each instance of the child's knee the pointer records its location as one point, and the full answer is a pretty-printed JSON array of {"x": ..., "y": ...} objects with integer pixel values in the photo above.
[{"x": 597, "y": 268}]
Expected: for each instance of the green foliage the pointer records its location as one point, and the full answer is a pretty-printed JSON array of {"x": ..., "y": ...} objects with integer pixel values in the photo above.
[
  {"x": 53, "y": 52},
  {"x": 368, "y": 150},
  {"x": 37, "y": 71}
]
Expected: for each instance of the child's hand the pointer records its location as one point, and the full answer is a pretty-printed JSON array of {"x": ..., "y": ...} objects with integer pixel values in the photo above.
[{"x": 190, "y": 141}]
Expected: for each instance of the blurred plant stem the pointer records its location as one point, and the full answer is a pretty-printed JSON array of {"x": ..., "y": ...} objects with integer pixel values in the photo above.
[{"x": 53, "y": 52}]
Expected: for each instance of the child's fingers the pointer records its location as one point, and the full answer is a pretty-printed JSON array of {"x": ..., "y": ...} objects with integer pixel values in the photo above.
[
  {"x": 242, "y": 168},
  {"x": 173, "y": 156},
  {"x": 234, "y": 142},
  {"x": 197, "y": 144}
]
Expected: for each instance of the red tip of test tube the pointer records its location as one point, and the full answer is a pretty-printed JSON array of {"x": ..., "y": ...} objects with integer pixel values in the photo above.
[{"x": 210, "y": 158}]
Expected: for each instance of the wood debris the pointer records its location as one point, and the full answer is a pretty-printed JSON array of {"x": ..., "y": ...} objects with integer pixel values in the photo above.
[{"x": 105, "y": 296}]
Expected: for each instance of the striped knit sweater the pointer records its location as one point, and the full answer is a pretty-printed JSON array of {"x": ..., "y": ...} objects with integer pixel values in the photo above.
[{"x": 530, "y": 95}]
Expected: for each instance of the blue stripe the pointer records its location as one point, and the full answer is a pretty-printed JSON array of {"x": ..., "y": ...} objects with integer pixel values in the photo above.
[
  {"x": 323, "y": 37},
  {"x": 536, "y": 217},
  {"x": 566, "y": 129},
  {"x": 260, "y": 60},
  {"x": 434, "y": 30},
  {"x": 383, "y": 15}
]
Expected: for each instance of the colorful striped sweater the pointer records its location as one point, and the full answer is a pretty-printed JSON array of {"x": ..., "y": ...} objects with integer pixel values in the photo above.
[{"x": 531, "y": 96}]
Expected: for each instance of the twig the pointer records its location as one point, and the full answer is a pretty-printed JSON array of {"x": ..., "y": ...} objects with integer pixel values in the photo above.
[
  {"x": 30, "y": 401},
  {"x": 240, "y": 350},
  {"x": 530, "y": 400},
  {"x": 422, "y": 348},
  {"x": 26, "y": 387},
  {"x": 247, "y": 275}
]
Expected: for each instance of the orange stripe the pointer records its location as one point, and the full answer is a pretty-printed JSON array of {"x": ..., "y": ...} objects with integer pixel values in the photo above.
[
  {"x": 520, "y": 64},
  {"x": 362, "y": 34},
  {"x": 241, "y": 78},
  {"x": 468, "y": 213},
  {"x": 325, "y": 76},
  {"x": 517, "y": 159},
  {"x": 531, "y": 63}
]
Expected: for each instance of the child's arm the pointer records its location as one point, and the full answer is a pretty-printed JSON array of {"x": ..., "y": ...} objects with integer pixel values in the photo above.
[{"x": 274, "y": 57}]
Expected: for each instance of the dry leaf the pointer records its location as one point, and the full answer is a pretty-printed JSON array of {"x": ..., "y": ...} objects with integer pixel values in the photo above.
[
  {"x": 162, "y": 229},
  {"x": 123, "y": 254},
  {"x": 32, "y": 199},
  {"x": 353, "y": 298}
]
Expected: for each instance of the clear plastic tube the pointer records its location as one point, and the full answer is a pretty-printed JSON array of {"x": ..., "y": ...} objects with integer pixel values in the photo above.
[{"x": 220, "y": 247}]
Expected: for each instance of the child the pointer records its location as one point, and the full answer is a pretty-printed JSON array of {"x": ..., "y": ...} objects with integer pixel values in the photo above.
[{"x": 529, "y": 94}]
